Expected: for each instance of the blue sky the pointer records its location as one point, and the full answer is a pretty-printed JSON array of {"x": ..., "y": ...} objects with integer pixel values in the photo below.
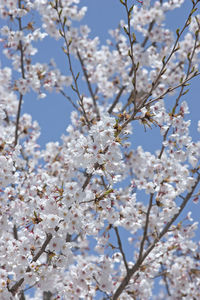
[{"x": 53, "y": 112}]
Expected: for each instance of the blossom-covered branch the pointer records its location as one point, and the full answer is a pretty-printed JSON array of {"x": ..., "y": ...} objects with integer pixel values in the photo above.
[{"x": 104, "y": 211}]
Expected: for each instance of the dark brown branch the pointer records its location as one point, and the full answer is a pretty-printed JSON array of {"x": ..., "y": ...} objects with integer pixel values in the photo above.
[
  {"x": 88, "y": 177},
  {"x": 146, "y": 227},
  {"x": 121, "y": 249},
  {"x": 42, "y": 249},
  {"x": 17, "y": 119},
  {"x": 47, "y": 295},
  {"x": 15, "y": 234},
  {"x": 16, "y": 286},
  {"x": 22, "y": 296}
]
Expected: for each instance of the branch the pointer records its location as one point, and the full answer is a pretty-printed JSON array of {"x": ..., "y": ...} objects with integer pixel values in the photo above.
[
  {"x": 116, "y": 100},
  {"x": 70, "y": 100},
  {"x": 140, "y": 260},
  {"x": 23, "y": 76},
  {"x": 119, "y": 94},
  {"x": 89, "y": 176},
  {"x": 16, "y": 286},
  {"x": 147, "y": 36},
  {"x": 17, "y": 119},
  {"x": 85, "y": 184},
  {"x": 164, "y": 276},
  {"x": 121, "y": 249},
  {"x": 171, "y": 89},
  {"x": 22, "y": 297},
  {"x": 15, "y": 234},
  {"x": 75, "y": 78},
  {"x": 88, "y": 84},
  {"x": 42, "y": 249},
  {"x": 162, "y": 71},
  {"x": 47, "y": 295},
  {"x": 146, "y": 227}
]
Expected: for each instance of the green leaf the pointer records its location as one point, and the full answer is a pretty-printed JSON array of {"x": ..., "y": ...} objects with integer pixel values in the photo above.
[
  {"x": 193, "y": 10},
  {"x": 70, "y": 41},
  {"x": 163, "y": 71},
  {"x": 73, "y": 88},
  {"x": 108, "y": 192},
  {"x": 126, "y": 31},
  {"x": 134, "y": 37},
  {"x": 60, "y": 13},
  {"x": 193, "y": 68},
  {"x": 65, "y": 19},
  {"x": 177, "y": 31},
  {"x": 129, "y": 53},
  {"x": 130, "y": 10},
  {"x": 173, "y": 111},
  {"x": 188, "y": 56},
  {"x": 61, "y": 33},
  {"x": 185, "y": 92},
  {"x": 163, "y": 60}
]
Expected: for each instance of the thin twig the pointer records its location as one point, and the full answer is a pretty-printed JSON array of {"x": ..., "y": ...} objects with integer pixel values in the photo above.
[
  {"x": 147, "y": 36},
  {"x": 116, "y": 100},
  {"x": 23, "y": 76},
  {"x": 165, "y": 280},
  {"x": 75, "y": 78},
  {"x": 146, "y": 227},
  {"x": 70, "y": 100},
  {"x": 88, "y": 84},
  {"x": 121, "y": 249}
]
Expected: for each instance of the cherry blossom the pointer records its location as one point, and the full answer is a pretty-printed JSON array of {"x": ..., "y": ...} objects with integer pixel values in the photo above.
[{"x": 94, "y": 215}]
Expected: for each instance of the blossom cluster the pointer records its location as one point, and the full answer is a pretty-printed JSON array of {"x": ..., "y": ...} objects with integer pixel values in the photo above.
[{"x": 91, "y": 216}]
